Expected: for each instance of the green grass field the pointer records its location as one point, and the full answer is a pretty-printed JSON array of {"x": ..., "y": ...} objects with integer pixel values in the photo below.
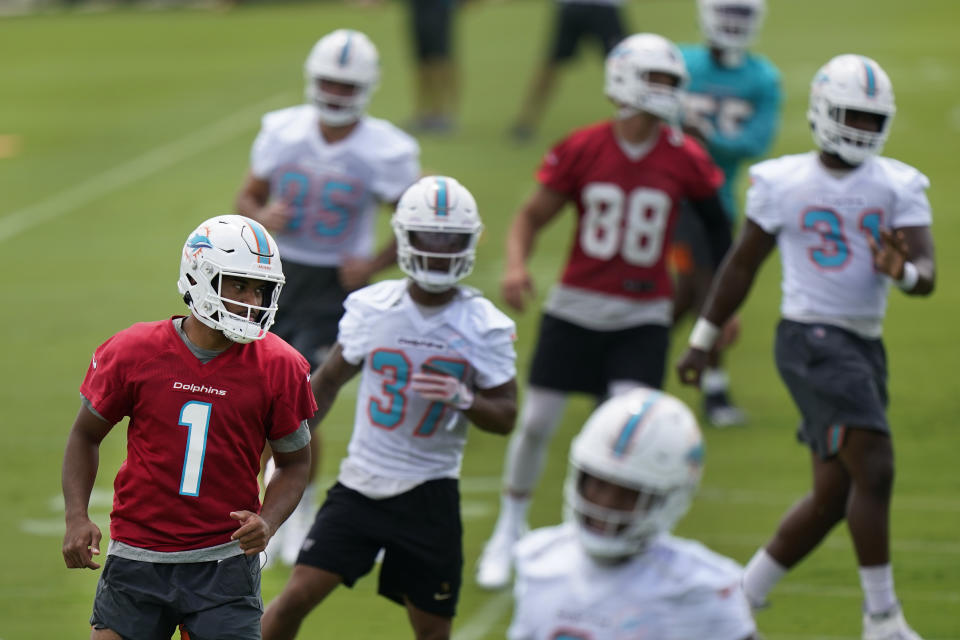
[{"x": 120, "y": 130}]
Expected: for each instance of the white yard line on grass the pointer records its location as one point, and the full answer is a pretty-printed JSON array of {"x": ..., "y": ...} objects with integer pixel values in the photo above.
[
  {"x": 482, "y": 620},
  {"x": 135, "y": 169}
]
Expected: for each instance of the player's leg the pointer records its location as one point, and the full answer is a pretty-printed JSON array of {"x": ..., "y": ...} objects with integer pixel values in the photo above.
[
  {"x": 804, "y": 526},
  {"x": 428, "y": 626},
  {"x": 423, "y": 563},
  {"x": 304, "y": 591},
  {"x": 526, "y": 454},
  {"x": 340, "y": 548},
  {"x": 868, "y": 454},
  {"x": 437, "y": 82},
  {"x": 566, "y": 32},
  {"x": 566, "y": 358}
]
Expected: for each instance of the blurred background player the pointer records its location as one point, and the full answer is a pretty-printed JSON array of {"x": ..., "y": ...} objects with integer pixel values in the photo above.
[
  {"x": 848, "y": 223},
  {"x": 732, "y": 105},
  {"x": 204, "y": 394},
  {"x": 437, "y": 88},
  {"x": 573, "y": 22},
  {"x": 433, "y": 356},
  {"x": 612, "y": 569},
  {"x": 605, "y": 326},
  {"x": 319, "y": 172}
]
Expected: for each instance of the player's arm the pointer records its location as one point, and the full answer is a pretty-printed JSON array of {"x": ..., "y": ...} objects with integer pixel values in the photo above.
[
  {"x": 728, "y": 291},
  {"x": 327, "y": 380},
  {"x": 493, "y": 409},
  {"x": 253, "y": 201},
  {"x": 539, "y": 209},
  {"x": 717, "y": 224},
  {"x": 906, "y": 255},
  {"x": 282, "y": 495},
  {"x": 81, "y": 460}
]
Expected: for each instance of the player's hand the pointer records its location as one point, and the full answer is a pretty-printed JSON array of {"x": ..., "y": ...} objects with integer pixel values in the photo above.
[
  {"x": 354, "y": 273},
  {"x": 275, "y": 216},
  {"x": 80, "y": 543},
  {"x": 890, "y": 254},
  {"x": 443, "y": 388},
  {"x": 691, "y": 365},
  {"x": 254, "y": 532},
  {"x": 516, "y": 287}
]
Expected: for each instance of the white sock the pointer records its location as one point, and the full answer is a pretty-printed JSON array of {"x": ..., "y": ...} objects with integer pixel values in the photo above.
[
  {"x": 714, "y": 381},
  {"x": 541, "y": 413},
  {"x": 513, "y": 515},
  {"x": 760, "y": 576},
  {"x": 877, "y": 584}
]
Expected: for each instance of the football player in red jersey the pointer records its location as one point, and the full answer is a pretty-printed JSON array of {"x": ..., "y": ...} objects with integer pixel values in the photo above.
[
  {"x": 204, "y": 393},
  {"x": 605, "y": 325}
]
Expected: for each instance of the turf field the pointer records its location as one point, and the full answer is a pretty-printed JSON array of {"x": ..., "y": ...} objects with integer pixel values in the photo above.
[{"x": 121, "y": 129}]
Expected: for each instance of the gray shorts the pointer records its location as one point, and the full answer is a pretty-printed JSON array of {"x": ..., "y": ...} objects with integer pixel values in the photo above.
[
  {"x": 837, "y": 379},
  {"x": 210, "y": 600}
]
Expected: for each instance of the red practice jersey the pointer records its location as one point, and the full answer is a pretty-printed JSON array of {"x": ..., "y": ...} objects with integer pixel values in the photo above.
[
  {"x": 196, "y": 430},
  {"x": 626, "y": 208}
]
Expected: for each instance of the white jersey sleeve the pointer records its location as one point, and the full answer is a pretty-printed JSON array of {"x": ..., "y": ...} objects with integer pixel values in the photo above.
[
  {"x": 277, "y": 130},
  {"x": 911, "y": 207},
  {"x": 676, "y": 590},
  {"x": 396, "y": 155}
]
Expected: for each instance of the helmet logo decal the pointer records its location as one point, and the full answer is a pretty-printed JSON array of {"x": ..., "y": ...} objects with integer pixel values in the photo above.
[
  {"x": 345, "y": 52},
  {"x": 441, "y": 205},
  {"x": 197, "y": 242},
  {"x": 633, "y": 425},
  {"x": 871, "y": 80},
  {"x": 263, "y": 252}
]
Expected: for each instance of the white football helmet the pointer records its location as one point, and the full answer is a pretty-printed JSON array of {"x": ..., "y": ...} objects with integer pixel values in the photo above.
[
  {"x": 642, "y": 440},
  {"x": 731, "y": 24},
  {"x": 230, "y": 245},
  {"x": 628, "y": 69},
  {"x": 850, "y": 83},
  {"x": 437, "y": 227},
  {"x": 345, "y": 56}
]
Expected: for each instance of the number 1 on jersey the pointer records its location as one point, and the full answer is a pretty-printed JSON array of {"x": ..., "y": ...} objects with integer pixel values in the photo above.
[{"x": 196, "y": 417}]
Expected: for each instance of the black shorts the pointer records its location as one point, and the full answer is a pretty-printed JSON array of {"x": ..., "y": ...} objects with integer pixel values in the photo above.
[
  {"x": 310, "y": 307},
  {"x": 148, "y": 600},
  {"x": 575, "y": 21},
  {"x": 420, "y": 532},
  {"x": 432, "y": 23},
  {"x": 571, "y": 358},
  {"x": 837, "y": 379}
]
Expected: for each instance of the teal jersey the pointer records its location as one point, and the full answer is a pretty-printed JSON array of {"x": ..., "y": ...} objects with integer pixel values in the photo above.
[{"x": 737, "y": 110}]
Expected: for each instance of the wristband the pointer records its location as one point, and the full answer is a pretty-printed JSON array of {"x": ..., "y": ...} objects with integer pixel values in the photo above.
[
  {"x": 704, "y": 335},
  {"x": 910, "y": 277}
]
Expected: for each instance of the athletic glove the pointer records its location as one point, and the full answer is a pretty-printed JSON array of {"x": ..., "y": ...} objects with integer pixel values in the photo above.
[{"x": 445, "y": 389}]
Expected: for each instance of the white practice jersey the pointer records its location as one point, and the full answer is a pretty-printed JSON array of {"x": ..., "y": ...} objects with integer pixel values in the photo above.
[
  {"x": 822, "y": 221},
  {"x": 333, "y": 189},
  {"x": 676, "y": 590},
  {"x": 401, "y": 439}
]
